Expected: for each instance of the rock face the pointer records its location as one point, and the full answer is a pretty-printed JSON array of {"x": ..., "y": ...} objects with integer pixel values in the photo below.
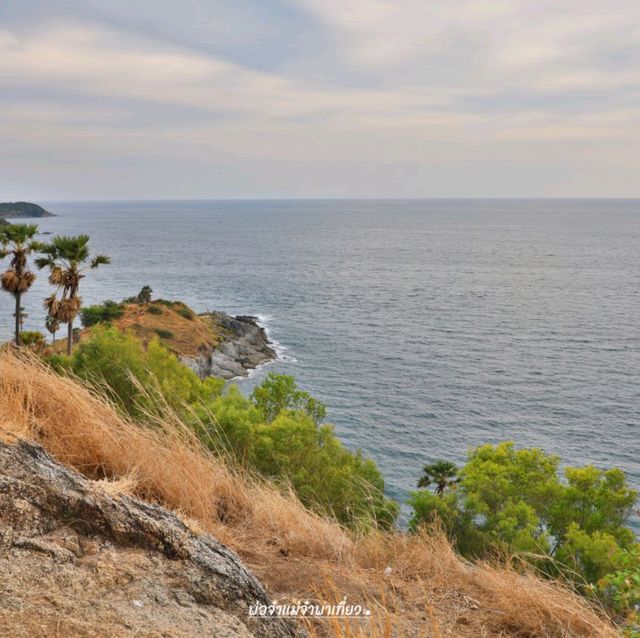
[
  {"x": 244, "y": 346},
  {"x": 75, "y": 561}
]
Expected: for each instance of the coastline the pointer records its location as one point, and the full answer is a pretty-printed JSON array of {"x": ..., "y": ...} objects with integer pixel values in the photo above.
[{"x": 245, "y": 347}]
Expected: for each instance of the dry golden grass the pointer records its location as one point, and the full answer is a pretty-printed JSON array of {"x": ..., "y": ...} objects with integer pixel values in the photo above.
[
  {"x": 414, "y": 585},
  {"x": 188, "y": 336}
]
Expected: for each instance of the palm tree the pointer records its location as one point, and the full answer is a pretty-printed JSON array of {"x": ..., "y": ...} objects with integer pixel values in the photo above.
[
  {"x": 17, "y": 241},
  {"x": 52, "y": 325},
  {"x": 444, "y": 474},
  {"x": 67, "y": 259}
]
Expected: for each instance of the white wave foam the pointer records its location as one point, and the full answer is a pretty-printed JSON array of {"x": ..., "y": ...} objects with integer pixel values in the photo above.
[{"x": 280, "y": 349}]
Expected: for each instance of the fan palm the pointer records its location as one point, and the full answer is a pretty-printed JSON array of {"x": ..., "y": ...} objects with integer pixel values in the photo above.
[
  {"x": 52, "y": 325},
  {"x": 17, "y": 241},
  {"x": 442, "y": 474},
  {"x": 67, "y": 259}
]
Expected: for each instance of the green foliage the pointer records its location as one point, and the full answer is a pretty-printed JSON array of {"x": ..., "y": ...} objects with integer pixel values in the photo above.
[
  {"x": 164, "y": 334},
  {"x": 620, "y": 589},
  {"x": 442, "y": 474},
  {"x": 154, "y": 310},
  {"x": 275, "y": 432},
  {"x": 33, "y": 339},
  {"x": 186, "y": 313},
  {"x": 279, "y": 392},
  {"x": 61, "y": 363},
  {"x": 67, "y": 259},
  {"x": 101, "y": 313},
  {"x": 137, "y": 377},
  {"x": 514, "y": 501}
]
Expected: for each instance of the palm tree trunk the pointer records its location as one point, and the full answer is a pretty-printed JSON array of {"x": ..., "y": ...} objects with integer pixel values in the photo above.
[
  {"x": 18, "y": 317},
  {"x": 69, "y": 336}
]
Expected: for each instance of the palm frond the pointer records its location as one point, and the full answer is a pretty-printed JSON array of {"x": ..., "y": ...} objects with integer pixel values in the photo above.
[
  {"x": 100, "y": 260},
  {"x": 44, "y": 262}
]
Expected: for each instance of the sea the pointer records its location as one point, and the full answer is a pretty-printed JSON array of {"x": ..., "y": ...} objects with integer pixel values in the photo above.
[{"x": 428, "y": 327}]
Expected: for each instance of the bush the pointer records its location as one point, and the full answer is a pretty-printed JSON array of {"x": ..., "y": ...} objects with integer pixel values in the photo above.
[
  {"x": 279, "y": 392},
  {"x": 101, "y": 313},
  {"x": 134, "y": 376},
  {"x": 186, "y": 312},
  {"x": 513, "y": 501},
  {"x": 276, "y": 432},
  {"x": 164, "y": 334},
  {"x": 33, "y": 339},
  {"x": 154, "y": 310}
]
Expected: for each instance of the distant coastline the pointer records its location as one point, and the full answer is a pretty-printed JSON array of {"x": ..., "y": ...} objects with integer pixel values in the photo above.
[{"x": 17, "y": 210}]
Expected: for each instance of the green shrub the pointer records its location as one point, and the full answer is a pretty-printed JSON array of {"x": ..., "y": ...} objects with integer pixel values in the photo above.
[
  {"x": 276, "y": 432},
  {"x": 135, "y": 376},
  {"x": 33, "y": 339},
  {"x": 59, "y": 362},
  {"x": 154, "y": 310},
  {"x": 514, "y": 501},
  {"x": 101, "y": 313},
  {"x": 186, "y": 312},
  {"x": 164, "y": 334},
  {"x": 279, "y": 392}
]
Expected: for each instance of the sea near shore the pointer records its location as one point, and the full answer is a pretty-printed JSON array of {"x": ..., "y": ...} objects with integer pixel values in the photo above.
[{"x": 427, "y": 327}]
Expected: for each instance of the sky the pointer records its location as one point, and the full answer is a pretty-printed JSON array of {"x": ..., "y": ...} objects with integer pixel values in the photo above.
[{"x": 105, "y": 99}]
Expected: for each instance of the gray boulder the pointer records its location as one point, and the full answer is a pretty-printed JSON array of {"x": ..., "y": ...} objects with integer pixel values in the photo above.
[{"x": 76, "y": 561}]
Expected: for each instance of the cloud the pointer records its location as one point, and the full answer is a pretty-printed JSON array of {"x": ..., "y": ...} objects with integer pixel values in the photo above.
[{"x": 415, "y": 85}]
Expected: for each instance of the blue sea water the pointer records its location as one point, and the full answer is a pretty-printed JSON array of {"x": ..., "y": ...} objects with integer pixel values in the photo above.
[{"x": 428, "y": 327}]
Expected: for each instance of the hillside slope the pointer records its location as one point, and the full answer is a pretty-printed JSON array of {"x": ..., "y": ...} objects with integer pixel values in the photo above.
[{"x": 414, "y": 585}]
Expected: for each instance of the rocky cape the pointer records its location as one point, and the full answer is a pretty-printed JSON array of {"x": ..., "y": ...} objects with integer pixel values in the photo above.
[
  {"x": 79, "y": 560},
  {"x": 244, "y": 346},
  {"x": 23, "y": 209}
]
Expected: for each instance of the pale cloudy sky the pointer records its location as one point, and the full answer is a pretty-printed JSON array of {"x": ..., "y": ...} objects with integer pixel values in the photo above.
[{"x": 106, "y": 99}]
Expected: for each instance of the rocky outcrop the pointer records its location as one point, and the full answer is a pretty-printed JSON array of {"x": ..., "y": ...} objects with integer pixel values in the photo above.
[
  {"x": 244, "y": 346},
  {"x": 76, "y": 561}
]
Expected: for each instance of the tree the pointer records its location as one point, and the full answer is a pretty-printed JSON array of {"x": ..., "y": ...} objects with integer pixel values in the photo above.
[
  {"x": 144, "y": 296},
  {"x": 17, "y": 241},
  {"x": 514, "y": 501},
  {"x": 280, "y": 392},
  {"x": 442, "y": 474},
  {"x": 52, "y": 325},
  {"x": 67, "y": 259}
]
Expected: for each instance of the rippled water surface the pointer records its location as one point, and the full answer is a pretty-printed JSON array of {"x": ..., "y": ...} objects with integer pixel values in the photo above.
[{"x": 427, "y": 327}]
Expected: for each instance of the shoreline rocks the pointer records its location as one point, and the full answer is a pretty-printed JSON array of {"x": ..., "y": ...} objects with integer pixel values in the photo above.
[{"x": 244, "y": 347}]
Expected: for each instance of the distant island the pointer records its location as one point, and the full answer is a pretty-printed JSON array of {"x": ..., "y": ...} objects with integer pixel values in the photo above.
[
  {"x": 3, "y": 222},
  {"x": 22, "y": 209}
]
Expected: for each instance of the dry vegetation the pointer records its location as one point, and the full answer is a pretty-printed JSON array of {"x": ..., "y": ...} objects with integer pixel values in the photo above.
[
  {"x": 415, "y": 586},
  {"x": 181, "y": 330}
]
